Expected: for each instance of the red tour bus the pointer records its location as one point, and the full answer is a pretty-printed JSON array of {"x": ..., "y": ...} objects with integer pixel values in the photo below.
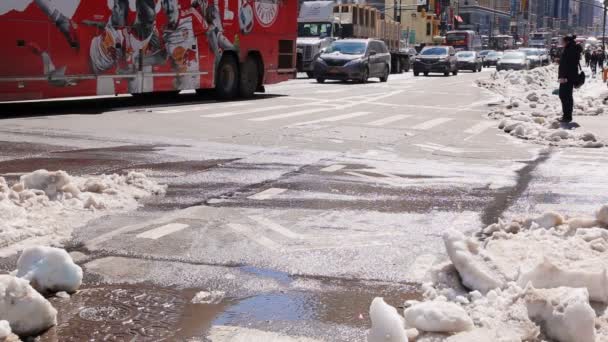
[
  {"x": 463, "y": 40},
  {"x": 65, "y": 48}
]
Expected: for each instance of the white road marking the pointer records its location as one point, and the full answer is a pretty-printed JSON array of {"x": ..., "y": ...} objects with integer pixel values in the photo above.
[
  {"x": 388, "y": 120},
  {"x": 342, "y": 246},
  {"x": 259, "y": 239},
  {"x": 221, "y": 333},
  {"x": 159, "y": 232},
  {"x": 249, "y": 111},
  {"x": 332, "y": 118},
  {"x": 288, "y": 115},
  {"x": 209, "y": 106},
  {"x": 267, "y": 194},
  {"x": 333, "y": 168},
  {"x": 266, "y": 223},
  {"x": 367, "y": 99},
  {"x": 372, "y": 179},
  {"x": 431, "y": 123},
  {"x": 331, "y": 91},
  {"x": 421, "y": 266},
  {"x": 480, "y": 127}
]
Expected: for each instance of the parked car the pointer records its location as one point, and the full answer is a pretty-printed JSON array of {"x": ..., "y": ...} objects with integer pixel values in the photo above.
[
  {"x": 468, "y": 60},
  {"x": 440, "y": 59},
  {"x": 353, "y": 59},
  {"x": 515, "y": 60},
  {"x": 533, "y": 56},
  {"x": 491, "y": 58},
  {"x": 545, "y": 58},
  {"x": 483, "y": 54}
]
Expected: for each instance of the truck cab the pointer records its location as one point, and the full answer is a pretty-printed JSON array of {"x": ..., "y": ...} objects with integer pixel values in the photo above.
[{"x": 318, "y": 27}]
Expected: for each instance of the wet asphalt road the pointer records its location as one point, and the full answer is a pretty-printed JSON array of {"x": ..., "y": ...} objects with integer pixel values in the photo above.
[{"x": 300, "y": 205}]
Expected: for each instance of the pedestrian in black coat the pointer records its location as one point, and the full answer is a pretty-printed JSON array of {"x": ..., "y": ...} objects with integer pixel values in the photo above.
[
  {"x": 593, "y": 62},
  {"x": 567, "y": 75},
  {"x": 587, "y": 57}
]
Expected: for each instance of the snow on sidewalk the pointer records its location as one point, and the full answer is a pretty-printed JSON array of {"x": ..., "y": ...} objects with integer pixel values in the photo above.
[
  {"x": 531, "y": 279},
  {"x": 46, "y": 206},
  {"x": 530, "y": 110}
]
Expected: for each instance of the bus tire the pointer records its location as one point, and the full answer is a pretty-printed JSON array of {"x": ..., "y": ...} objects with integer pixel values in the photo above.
[
  {"x": 227, "y": 78},
  {"x": 249, "y": 77}
]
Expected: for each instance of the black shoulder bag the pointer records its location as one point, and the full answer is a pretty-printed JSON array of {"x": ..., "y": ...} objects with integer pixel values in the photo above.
[{"x": 580, "y": 80}]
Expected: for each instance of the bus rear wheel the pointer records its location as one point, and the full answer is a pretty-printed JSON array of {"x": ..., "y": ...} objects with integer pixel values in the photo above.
[
  {"x": 227, "y": 78},
  {"x": 249, "y": 77}
]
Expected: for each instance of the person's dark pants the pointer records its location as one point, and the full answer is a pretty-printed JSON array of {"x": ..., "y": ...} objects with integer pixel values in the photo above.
[{"x": 565, "y": 95}]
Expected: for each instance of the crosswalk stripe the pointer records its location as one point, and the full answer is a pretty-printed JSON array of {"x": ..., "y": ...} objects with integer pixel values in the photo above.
[
  {"x": 480, "y": 127},
  {"x": 276, "y": 227},
  {"x": 159, "y": 232},
  {"x": 387, "y": 120},
  {"x": 431, "y": 123},
  {"x": 333, "y": 168},
  {"x": 249, "y": 111},
  {"x": 260, "y": 239},
  {"x": 267, "y": 194},
  {"x": 208, "y": 106},
  {"x": 291, "y": 114},
  {"x": 333, "y": 118}
]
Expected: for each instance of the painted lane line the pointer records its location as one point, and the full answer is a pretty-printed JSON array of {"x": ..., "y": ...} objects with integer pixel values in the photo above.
[
  {"x": 342, "y": 246},
  {"x": 388, "y": 120},
  {"x": 367, "y": 99},
  {"x": 266, "y": 223},
  {"x": 267, "y": 194},
  {"x": 331, "y": 91},
  {"x": 431, "y": 123},
  {"x": 478, "y": 128},
  {"x": 253, "y": 236},
  {"x": 196, "y": 108},
  {"x": 333, "y": 168},
  {"x": 288, "y": 115},
  {"x": 159, "y": 232},
  {"x": 250, "y": 111},
  {"x": 333, "y": 118},
  {"x": 372, "y": 179}
]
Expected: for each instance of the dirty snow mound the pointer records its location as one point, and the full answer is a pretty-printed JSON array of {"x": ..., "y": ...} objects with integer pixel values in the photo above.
[
  {"x": 48, "y": 205},
  {"x": 26, "y": 311},
  {"x": 387, "y": 324},
  {"x": 212, "y": 297},
  {"x": 530, "y": 110},
  {"x": 49, "y": 269}
]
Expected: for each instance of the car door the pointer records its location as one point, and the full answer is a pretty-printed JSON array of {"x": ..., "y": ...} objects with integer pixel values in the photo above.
[
  {"x": 386, "y": 57},
  {"x": 374, "y": 58}
]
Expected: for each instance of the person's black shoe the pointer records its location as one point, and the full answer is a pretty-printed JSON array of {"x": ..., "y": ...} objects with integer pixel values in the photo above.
[{"x": 565, "y": 120}]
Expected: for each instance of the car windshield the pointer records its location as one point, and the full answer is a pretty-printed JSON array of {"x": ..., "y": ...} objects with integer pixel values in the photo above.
[
  {"x": 434, "y": 51},
  {"x": 314, "y": 29},
  {"x": 464, "y": 54},
  {"x": 494, "y": 54},
  {"x": 514, "y": 55},
  {"x": 347, "y": 48},
  {"x": 485, "y": 52}
]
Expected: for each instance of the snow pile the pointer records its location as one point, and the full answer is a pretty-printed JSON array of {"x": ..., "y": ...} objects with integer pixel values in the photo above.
[
  {"x": 48, "y": 205},
  {"x": 5, "y": 330},
  {"x": 387, "y": 324},
  {"x": 26, "y": 310},
  {"x": 530, "y": 110},
  {"x": 212, "y": 297},
  {"x": 527, "y": 279},
  {"x": 49, "y": 270}
]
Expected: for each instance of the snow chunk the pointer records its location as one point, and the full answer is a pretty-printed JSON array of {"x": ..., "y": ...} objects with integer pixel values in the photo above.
[
  {"x": 5, "y": 329},
  {"x": 602, "y": 215},
  {"x": 204, "y": 297},
  {"x": 471, "y": 262},
  {"x": 49, "y": 182},
  {"x": 387, "y": 324},
  {"x": 547, "y": 220},
  {"x": 438, "y": 316},
  {"x": 49, "y": 269},
  {"x": 547, "y": 275},
  {"x": 27, "y": 312},
  {"x": 564, "y": 313}
]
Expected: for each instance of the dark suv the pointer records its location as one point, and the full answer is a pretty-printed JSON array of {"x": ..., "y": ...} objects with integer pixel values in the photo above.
[
  {"x": 436, "y": 59},
  {"x": 353, "y": 59}
]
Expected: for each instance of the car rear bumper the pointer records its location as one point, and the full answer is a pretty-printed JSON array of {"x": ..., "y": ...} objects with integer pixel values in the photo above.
[{"x": 432, "y": 67}]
